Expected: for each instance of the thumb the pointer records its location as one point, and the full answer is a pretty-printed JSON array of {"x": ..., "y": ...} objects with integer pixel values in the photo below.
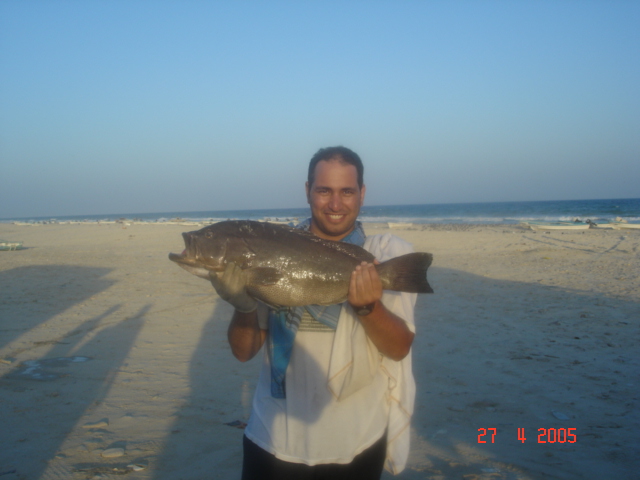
[{"x": 215, "y": 279}]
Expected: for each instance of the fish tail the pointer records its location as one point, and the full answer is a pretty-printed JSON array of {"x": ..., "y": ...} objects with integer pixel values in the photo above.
[{"x": 406, "y": 273}]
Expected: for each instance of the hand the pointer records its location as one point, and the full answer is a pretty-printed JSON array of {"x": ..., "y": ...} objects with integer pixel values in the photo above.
[
  {"x": 231, "y": 286},
  {"x": 365, "y": 288}
]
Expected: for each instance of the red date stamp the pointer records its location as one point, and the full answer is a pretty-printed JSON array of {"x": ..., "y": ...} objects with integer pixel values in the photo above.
[{"x": 545, "y": 435}]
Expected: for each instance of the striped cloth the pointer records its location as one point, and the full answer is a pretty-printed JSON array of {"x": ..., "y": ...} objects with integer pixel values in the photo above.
[{"x": 284, "y": 323}]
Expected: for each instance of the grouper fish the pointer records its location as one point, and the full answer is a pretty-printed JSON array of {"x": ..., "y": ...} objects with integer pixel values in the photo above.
[{"x": 290, "y": 267}]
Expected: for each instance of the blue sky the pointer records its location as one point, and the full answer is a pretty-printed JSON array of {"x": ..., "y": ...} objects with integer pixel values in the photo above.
[{"x": 140, "y": 106}]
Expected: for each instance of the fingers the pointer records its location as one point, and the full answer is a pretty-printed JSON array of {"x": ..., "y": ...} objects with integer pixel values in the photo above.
[
  {"x": 353, "y": 289},
  {"x": 228, "y": 282},
  {"x": 216, "y": 279},
  {"x": 363, "y": 279},
  {"x": 365, "y": 286},
  {"x": 231, "y": 286},
  {"x": 370, "y": 278},
  {"x": 232, "y": 277},
  {"x": 219, "y": 279}
]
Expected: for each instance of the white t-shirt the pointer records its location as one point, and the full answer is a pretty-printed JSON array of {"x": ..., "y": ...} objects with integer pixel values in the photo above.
[{"x": 311, "y": 426}]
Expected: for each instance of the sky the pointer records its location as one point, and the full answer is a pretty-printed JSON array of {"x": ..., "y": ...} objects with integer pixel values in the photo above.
[{"x": 137, "y": 106}]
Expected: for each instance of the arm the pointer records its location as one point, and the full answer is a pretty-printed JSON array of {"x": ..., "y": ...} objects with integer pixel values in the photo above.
[
  {"x": 388, "y": 332},
  {"x": 245, "y": 335}
]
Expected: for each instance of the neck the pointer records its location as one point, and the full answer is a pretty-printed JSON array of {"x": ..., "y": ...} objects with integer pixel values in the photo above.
[{"x": 319, "y": 233}]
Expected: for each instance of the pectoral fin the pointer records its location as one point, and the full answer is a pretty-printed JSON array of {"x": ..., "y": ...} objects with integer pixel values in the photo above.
[{"x": 262, "y": 276}]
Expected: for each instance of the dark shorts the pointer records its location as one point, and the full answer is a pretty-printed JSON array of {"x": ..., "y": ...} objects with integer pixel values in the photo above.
[{"x": 261, "y": 465}]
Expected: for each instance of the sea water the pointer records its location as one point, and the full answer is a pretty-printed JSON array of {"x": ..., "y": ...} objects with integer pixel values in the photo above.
[{"x": 501, "y": 213}]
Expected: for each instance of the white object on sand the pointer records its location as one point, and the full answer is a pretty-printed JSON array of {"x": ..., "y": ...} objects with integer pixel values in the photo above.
[
  {"x": 625, "y": 225},
  {"x": 113, "y": 452},
  {"x": 98, "y": 424},
  {"x": 557, "y": 226}
]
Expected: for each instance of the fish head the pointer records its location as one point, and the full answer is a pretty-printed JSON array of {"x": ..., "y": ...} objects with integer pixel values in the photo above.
[{"x": 209, "y": 250}]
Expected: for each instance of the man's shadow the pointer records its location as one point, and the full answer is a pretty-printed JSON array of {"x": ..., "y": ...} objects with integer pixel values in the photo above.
[
  {"x": 45, "y": 397},
  {"x": 206, "y": 437},
  {"x": 33, "y": 294}
]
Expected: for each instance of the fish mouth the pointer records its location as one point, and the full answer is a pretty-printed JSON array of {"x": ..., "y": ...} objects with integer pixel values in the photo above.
[
  {"x": 189, "y": 256},
  {"x": 190, "y": 264},
  {"x": 184, "y": 259},
  {"x": 191, "y": 260}
]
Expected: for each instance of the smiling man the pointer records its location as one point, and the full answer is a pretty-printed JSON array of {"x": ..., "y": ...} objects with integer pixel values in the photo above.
[
  {"x": 335, "y": 393},
  {"x": 335, "y": 192}
]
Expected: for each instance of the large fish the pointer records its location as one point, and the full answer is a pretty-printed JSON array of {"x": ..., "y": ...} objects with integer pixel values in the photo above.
[{"x": 290, "y": 267}]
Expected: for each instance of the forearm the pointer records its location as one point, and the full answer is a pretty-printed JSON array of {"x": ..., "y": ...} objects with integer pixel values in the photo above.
[
  {"x": 388, "y": 332},
  {"x": 245, "y": 335}
]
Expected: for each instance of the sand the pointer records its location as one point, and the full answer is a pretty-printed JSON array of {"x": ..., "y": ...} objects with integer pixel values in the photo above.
[{"x": 114, "y": 362}]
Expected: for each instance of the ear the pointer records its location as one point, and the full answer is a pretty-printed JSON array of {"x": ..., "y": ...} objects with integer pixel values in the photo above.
[
  {"x": 306, "y": 187},
  {"x": 362, "y": 192}
]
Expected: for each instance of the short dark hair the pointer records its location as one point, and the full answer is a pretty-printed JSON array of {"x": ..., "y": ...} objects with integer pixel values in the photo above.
[{"x": 340, "y": 153}]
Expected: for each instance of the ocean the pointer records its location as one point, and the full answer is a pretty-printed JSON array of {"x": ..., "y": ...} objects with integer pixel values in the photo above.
[{"x": 497, "y": 213}]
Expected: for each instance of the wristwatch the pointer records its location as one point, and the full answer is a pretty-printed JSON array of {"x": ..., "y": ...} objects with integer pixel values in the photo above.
[{"x": 365, "y": 309}]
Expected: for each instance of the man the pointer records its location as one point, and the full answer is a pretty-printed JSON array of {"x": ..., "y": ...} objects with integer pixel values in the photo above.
[{"x": 335, "y": 393}]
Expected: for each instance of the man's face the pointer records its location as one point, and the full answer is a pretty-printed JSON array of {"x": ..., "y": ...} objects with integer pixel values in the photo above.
[{"x": 335, "y": 199}]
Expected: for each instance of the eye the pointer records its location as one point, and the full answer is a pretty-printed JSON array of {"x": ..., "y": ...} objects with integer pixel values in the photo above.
[{"x": 208, "y": 234}]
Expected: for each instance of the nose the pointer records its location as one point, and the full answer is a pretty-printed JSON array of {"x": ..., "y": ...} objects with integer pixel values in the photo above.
[{"x": 335, "y": 202}]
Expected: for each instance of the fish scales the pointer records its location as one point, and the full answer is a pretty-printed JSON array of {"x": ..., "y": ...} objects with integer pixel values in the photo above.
[{"x": 286, "y": 266}]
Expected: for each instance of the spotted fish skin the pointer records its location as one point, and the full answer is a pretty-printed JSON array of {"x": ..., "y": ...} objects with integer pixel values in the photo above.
[{"x": 290, "y": 267}]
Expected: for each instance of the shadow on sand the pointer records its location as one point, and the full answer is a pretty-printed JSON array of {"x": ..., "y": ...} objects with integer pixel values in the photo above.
[
  {"x": 26, "y": 304},
  {"x": 201, "y": 445},
  {"x": 206, "y": 439},
  {"x": 41, "y": 397},
  {"x": 508, "y": 355},
  {"x": 488, "y": 354}
]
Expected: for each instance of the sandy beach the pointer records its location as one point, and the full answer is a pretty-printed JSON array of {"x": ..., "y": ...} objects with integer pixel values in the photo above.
[{"x": 114, "y": 362}]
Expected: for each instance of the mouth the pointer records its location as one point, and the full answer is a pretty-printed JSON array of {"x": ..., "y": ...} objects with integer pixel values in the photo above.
[
  {"x": 187, "y": 259},
  {"x": 190, "y": 264},
  {"x": 335, "y": 217},
  {"x": 182, "y": 258},
  {"x": 188, "y": 256},
  {"x": 193, "y": 260}
]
